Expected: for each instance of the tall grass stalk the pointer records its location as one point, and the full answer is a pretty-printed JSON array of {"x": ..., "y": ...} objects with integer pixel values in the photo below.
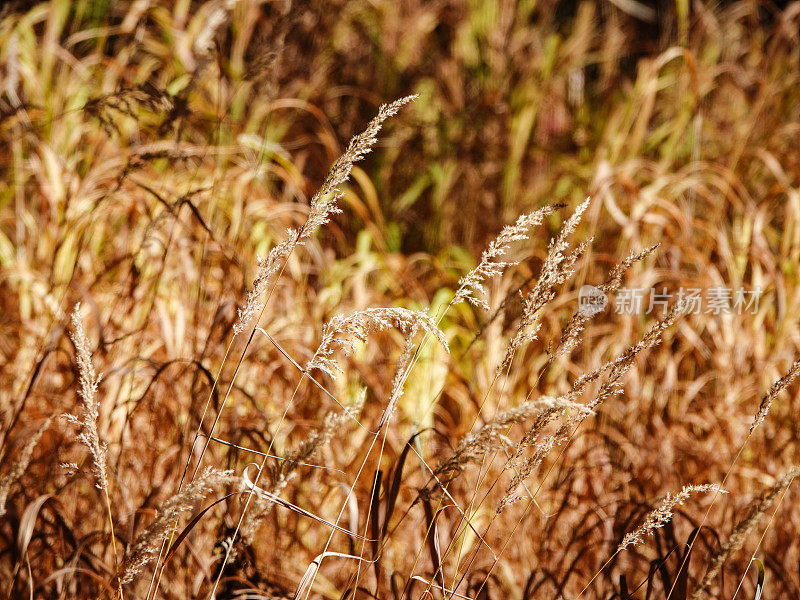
[
  {"x": 88, "y": 382},
  {"x": 323, "y": 205}
]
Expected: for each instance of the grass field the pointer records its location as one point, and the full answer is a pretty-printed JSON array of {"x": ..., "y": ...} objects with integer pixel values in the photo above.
[{"x": 294, "y": 299}]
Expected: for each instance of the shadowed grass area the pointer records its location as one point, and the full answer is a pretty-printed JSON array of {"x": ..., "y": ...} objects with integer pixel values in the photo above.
[{"x": 154, "y": 154}]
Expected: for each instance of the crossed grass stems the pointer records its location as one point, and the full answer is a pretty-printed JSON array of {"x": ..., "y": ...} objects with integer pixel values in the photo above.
[
  {"x": 304, "y": 374},
  {"x": 306, "y": 585}
]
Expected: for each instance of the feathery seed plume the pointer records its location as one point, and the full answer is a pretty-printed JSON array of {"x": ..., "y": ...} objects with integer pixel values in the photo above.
[
  {"x": 571, "y": 335},
  {"x": 402, "y": 370},
  {"x": 617, "y": 368},
  {"x": 777, "y": 387},
  {"x": 88, "y": 380},
  {"x": 471, "y": 286},
  {"x": 744, "y": 527},
  {"x": 334, "y": 421},
  {"x": 342, "y": 331},
  {"x": 18, "y": 468},
  {"x": 662, "y": 515},
  {"x": 319, "y": 438},
  {"x": 557, "y": 267},
  {"x": 146, "y": 547},
  {"x": 323, "y": 205},
  {"x": 490, "y": 436}
]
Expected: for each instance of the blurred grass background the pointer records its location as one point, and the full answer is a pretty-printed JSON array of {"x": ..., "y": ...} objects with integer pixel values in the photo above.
[{"x": 151, "y": 150}]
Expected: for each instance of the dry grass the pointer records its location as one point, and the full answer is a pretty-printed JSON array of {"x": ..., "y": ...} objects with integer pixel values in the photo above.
[{"x": 334, "y": 370}]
